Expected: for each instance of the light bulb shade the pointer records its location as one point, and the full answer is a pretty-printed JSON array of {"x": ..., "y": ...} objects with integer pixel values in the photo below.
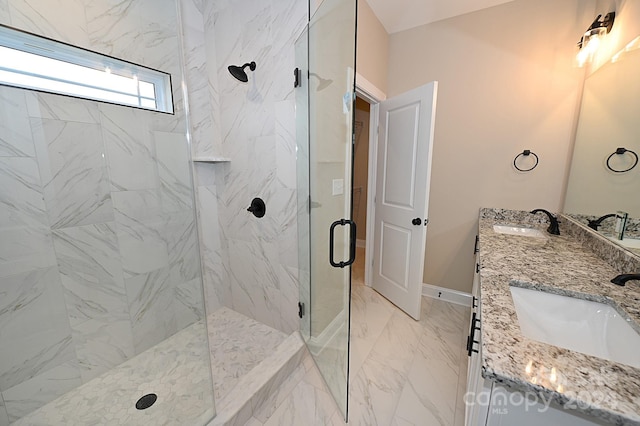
[
  {"x": 589, "y": 45},
  {"x": 590, "y": 41}
]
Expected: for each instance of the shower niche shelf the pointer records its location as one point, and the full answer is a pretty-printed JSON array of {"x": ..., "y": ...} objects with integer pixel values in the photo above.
[{"x": 211, "y": 159}]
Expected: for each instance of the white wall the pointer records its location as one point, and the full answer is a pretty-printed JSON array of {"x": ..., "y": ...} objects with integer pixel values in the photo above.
[{"x": 507, "y": 83}]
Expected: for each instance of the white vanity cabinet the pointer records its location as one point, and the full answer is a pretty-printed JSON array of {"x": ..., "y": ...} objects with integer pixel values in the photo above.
[
  {"x": 498, "y": 406},
  {"x": 475, "y": 413}
]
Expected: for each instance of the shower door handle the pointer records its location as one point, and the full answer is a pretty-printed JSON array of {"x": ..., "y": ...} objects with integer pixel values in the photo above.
[{"x": 352, "y": 242}]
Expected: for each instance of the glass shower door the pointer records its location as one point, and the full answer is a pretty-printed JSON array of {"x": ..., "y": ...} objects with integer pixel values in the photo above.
[{"x": 324, "y": 100}]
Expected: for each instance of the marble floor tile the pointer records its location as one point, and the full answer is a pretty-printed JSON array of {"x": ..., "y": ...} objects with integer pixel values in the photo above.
[
  {"x": 462, "y": 374},
  {"x": 397, "y": 344},
  {"x": 176, "y": 370},
  {"x": 433, "y": 382},
  {"x": 305, "y": 405},
  {"x": 403, "y": 372},
  {"x": 374, "y": 394},
  {"x": 369, "y": 316},
  {"x": 411, "y": 410}
]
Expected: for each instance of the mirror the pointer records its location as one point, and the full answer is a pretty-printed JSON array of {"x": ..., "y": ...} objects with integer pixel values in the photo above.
[{"x": 608, "y": 120}]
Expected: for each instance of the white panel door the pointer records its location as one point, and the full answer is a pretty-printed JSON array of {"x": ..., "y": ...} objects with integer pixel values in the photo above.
[{"x": 402, "y": 193}]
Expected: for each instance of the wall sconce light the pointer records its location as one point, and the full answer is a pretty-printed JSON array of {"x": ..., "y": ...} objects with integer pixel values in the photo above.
[{"x": 590, "y": 41}]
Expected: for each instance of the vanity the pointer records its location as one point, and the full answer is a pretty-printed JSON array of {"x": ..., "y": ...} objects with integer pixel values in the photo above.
[{"x": 552, "y": 340}]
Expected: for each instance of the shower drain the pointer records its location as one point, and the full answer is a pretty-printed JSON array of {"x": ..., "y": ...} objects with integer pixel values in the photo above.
[{"x": 146, "y": 401}]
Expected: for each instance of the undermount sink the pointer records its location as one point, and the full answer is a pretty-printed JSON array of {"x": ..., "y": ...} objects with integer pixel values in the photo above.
[
  {"x": 584, "y": 326},
  {"x": 518, "y": 230},
  {"x": 627, "y": 242}
]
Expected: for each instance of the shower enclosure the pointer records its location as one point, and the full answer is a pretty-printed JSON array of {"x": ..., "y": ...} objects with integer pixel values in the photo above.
[
  {"x": 325, "y": 100},
  {"x": 99, "y": 259}
]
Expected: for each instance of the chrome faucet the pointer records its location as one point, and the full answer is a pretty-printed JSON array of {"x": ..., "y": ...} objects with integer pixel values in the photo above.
[
  {"x": 593, "y": 224},
  {"x": 623, "y": 278},
  {"x": 553, "y": 228}
]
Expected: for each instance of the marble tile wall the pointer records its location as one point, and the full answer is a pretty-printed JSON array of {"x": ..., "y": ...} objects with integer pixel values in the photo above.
[
  {"x": 99, "y": 252},
  {"x": 250, "y": 264}
]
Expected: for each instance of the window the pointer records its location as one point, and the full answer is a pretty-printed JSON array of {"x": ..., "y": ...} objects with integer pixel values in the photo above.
[{"x": 33, "y": 62}]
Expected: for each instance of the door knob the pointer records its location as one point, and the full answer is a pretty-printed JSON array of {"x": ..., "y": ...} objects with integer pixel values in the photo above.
[{"x": 417, "y": 221}]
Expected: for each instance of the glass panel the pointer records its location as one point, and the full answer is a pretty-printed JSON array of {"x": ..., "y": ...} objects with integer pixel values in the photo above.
[
  {"x": 101, "y": 294},
  {"x": 328, "y": 88},
  {"x": 302, "y": 170}
]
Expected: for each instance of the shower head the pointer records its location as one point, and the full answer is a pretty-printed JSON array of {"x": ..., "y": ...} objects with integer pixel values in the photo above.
[{"x": 239, "y": 73}]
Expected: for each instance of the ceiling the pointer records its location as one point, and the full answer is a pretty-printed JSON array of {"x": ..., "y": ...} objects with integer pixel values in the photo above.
[{"x": 400, "y": 15}]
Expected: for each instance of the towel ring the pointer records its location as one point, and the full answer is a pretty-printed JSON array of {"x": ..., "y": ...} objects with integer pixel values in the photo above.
[
  {"x": 621, "y": 151},
  {"x": 525, "y": 153}
]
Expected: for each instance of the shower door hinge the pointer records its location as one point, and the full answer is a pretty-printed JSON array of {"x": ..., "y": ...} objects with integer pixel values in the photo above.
[
  {"x": 296, "y": 82},
  {"x": 300, "y": 309}
]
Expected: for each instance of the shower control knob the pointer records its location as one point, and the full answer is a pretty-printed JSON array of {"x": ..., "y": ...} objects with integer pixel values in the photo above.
[
  {"x": 417, "y": 221},
  {"x": 257, "y": 207}
]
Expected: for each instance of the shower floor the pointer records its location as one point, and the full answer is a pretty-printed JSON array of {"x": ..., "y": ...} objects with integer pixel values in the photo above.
[{"x": 177, "y": 370}]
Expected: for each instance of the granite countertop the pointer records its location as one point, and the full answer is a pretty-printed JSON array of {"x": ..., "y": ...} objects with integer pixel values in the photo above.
[{"x": 561, "y": 264}]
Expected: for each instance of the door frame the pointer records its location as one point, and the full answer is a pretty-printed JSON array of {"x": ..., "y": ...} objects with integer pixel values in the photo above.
[{"x": 370, "y": 93}]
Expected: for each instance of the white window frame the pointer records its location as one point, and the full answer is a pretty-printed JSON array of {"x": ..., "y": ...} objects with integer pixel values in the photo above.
[{"x": 37, "y": 63}]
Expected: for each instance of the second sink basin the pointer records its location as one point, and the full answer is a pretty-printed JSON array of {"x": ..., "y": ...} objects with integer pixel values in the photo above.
[
  {"x": 518, "y": 230},
  {"x": 627, "y": 242},
  {"x": 589, "y": 327}
]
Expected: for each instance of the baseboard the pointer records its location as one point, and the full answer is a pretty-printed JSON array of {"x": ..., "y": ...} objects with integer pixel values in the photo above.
[
  {"x": 361, "y": 243},
  {"x": 447, "y": 294}
]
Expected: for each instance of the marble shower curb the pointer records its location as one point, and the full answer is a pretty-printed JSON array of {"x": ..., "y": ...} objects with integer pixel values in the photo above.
[{"x": 254, "y": 388}]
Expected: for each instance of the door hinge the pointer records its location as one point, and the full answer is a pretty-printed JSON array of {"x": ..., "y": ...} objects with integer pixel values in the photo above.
[
  {"x": 296, "y": 81},
  {"x": 300, "y": 309}
]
